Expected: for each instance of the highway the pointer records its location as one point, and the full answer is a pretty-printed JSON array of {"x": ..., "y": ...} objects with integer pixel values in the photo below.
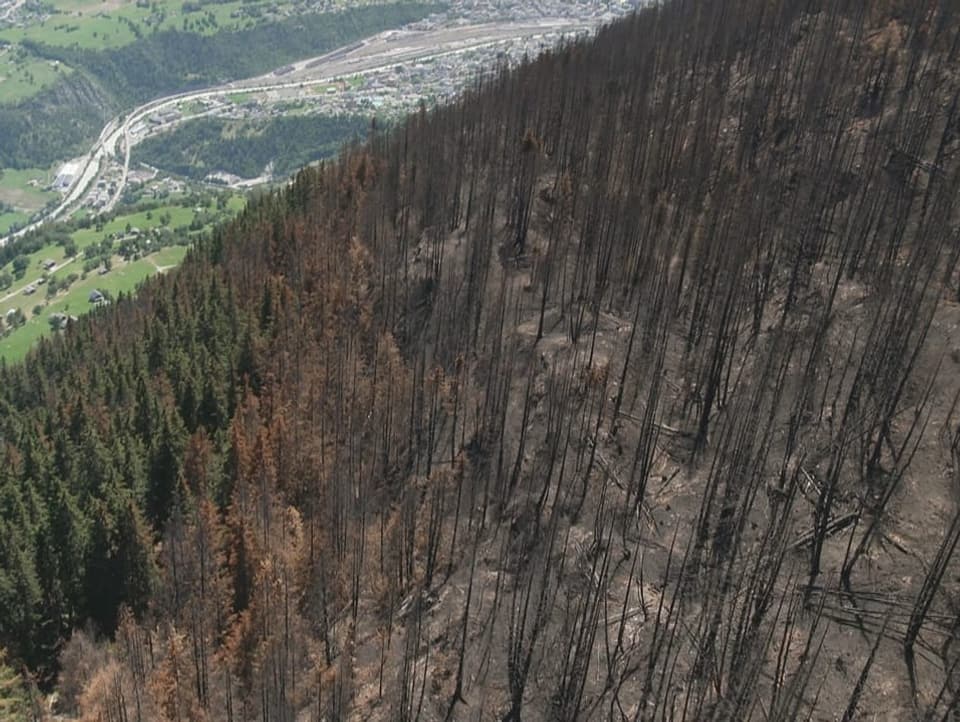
[{"x": 368, "y": 56}]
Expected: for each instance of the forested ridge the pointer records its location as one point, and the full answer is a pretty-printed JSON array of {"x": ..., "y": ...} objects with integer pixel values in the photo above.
[
  {"x": 623, "y": 388},
  {"x": 246, "y": 148}
]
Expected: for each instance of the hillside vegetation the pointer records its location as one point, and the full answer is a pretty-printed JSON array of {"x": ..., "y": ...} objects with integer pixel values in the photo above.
[
  {"x": 62, "y": 119},
  {"x": 625, "y": 388},
  {"x": 246, "y": 148}
]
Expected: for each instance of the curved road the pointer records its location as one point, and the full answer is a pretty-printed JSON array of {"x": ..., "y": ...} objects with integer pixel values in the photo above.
[{"x": 371, "y": 55}]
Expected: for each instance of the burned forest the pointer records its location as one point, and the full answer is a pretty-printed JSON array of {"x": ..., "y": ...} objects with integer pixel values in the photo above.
[{"x": 626, "y": 387}]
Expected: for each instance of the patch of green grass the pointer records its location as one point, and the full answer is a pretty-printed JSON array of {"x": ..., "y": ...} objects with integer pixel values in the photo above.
[
  {"x": 142, "y": 220},
  {"x": 16, "y": 345},
  {"x": 101, "y": 27},
  {"x": 167, "y": 257},
  {"x": 23, "y": 74},
  {"x": 87, "y": 236},
  {"x": 236, "y": 203},
  {"x": 7, "y": 220},
  {"x": 99, "y": 31},
  {"x": 124, "y": 278},
  {"x": 178, "y": 216},
  {"x": 25, "y": 189},
  {"x": 35, "y": 270}
]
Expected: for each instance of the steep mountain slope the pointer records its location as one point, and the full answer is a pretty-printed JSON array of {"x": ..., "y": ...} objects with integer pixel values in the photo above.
[{"x": 624, "y": 388}]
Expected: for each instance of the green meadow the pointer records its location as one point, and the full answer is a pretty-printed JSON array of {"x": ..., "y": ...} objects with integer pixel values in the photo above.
[{"x": 123, "y": 276}]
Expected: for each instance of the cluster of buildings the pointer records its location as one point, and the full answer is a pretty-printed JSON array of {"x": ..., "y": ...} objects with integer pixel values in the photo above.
[
  {"x": 391, "y": 92},
  {"x": 65, "y": 176},
  {"x": 107, "y": 185},
  {"x": 487, "y": 11},
  {"x": 100, "y": 195},
  {"x": 398, "y": 90}
]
